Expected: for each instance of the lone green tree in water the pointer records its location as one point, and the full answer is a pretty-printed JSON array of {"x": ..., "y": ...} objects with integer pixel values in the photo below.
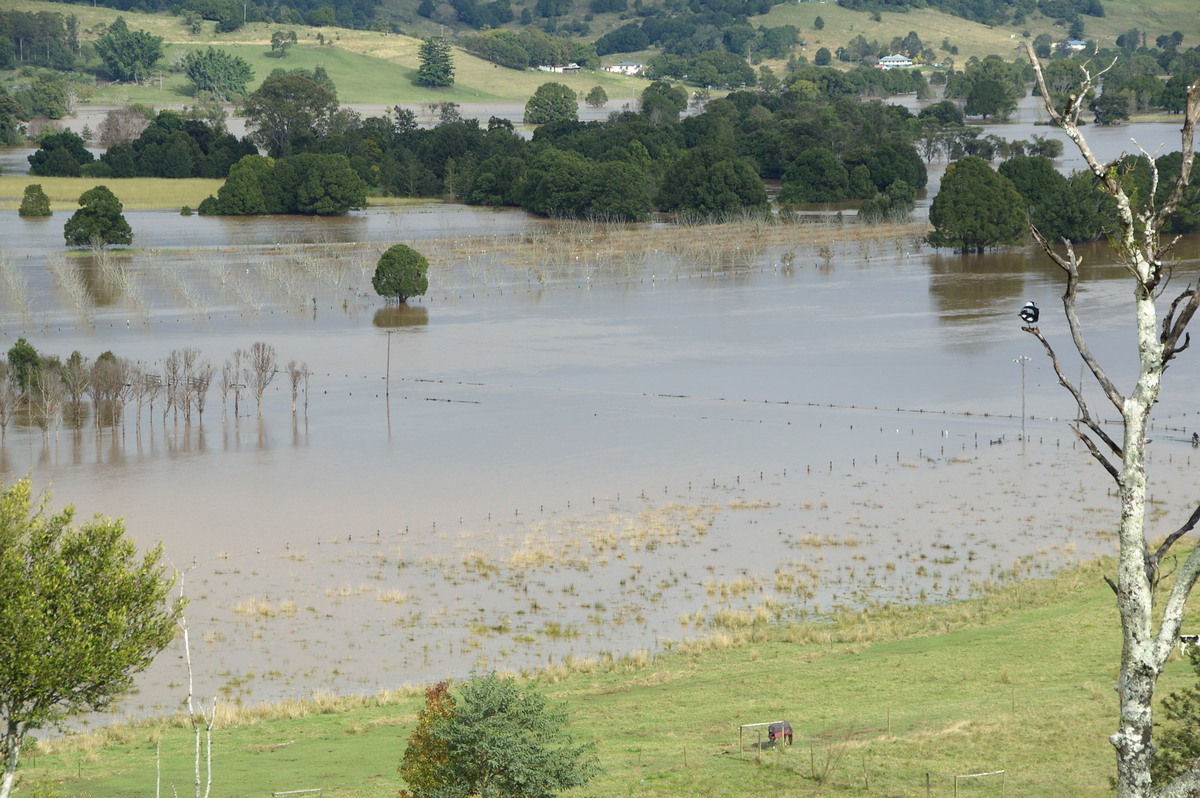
[
  {"x": 1150, "y": 597},
  {"x": 98, "y": 221},
  {"x": 402, "y": 272}
]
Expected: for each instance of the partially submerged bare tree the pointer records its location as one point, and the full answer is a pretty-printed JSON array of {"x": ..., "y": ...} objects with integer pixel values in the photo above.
[
  {"x": 1137, "y": 242},
  {"x": 261, "y": 370}
]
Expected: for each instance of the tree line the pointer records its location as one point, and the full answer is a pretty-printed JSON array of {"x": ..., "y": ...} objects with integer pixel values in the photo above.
[{"x": 49, "y": 391}]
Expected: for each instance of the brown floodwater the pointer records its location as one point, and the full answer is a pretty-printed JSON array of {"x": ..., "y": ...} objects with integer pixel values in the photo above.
[{"x": 568, "y": 448}]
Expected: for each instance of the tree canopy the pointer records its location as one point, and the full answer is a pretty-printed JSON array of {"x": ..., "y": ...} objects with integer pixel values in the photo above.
[
  {"x": 286, "y": 109},
  {"x": 401, "y": 272},
  {"x": 976, "y": 208},
  {"x": 81, "y": 612},
  {"x": 436, "y": 68},
  {"x": 98, "y": 221},
  {"x": 34, "y": 202},
  {"x": 128, "y": 55},
  {"x": 218, "y": 72},
  {"x": 552, "y": 102},
  {"x": 498, "y": 739}
]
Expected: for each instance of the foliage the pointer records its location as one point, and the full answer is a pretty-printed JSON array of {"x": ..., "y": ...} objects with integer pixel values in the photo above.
[
  {"x": 596, "y": 97},
  {"x": 662, "y": 102},
  {"x": 528, "y": 48},
  {"x": 34, "y": 202},
  {"x": 80, "y": 614},
  {"x": 128, "y": 55},
  {"x": 174, "y": 146},
  {"x": 218, "y": 72},
  {"x": 552, "y": 102},
  {"x": 1110, "y": 108},
  {"x": 24, "y": 363},
  {"x": 401, "y": 272},
  {"x": 59, "y": 155},
  {"x": 281, "y": 40},
  {"x": 815, "y": 176},
  {"x": 712, "y": 182},
  {"x": 426, "y": 756},
  {"x": 98, "y": 220},
  {"x": 1059, "y": 208},
  {"x": 436, "y": 68},
  {"x": 570, "y": 185},
  {"x": 286, "y": 110},
  {"x": 38, "y": 38},
  {"x": 500, "y": 739},
  {"x": 306, "y": 184},
  {"x": 989, "y": 98},
  {"x": 976, "y": 208}
]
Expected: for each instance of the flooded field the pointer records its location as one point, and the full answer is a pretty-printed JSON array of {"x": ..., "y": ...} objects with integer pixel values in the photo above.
[{"x": 585, "y": 442}]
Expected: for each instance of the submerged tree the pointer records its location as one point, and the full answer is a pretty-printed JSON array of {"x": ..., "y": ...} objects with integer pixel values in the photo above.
[
  {"x": 400, "y": 273},
  {"x": 1149, "y": 631},
  {"x": 98, "y": 221}
]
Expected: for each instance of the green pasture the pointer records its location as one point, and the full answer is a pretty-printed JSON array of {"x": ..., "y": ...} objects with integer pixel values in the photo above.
[
  {"x": 1019, "y": 681},
  {"x": 135, "y": 193}
]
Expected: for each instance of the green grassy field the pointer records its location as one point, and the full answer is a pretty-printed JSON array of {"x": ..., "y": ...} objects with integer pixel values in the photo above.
[
  {"x": 1019, "y": 681},
  {"x": 135, "y": 193}
]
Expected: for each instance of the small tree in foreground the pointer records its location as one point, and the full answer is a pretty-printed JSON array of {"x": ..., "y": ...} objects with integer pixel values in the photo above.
[
  {"x": 80, "y": 613},
  {"x": 34, "y": 202},
  {"x": 499, "y": 739},
  {"x": 1149, "y": 625},
  {"x": 401, "y": 272},
  {"x": 98, "y": 221}
]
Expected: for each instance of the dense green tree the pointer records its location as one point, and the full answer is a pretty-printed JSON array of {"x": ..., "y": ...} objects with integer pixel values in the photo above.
[
  {"x": 976, "y": 208},
  {"x": 218, "y": 72},
  {"x": 662, "y": 102},
  {"x": 24, "y": 363},
  {"x": 98, "y": 221},
  {"x": 499, "y": 739},
  {"x": 1110, "y": 108},
  {"x": 287, "y": 109},
  {"x": 128, "y": 55},
  {"x": 819, "y": 23},
  {"x": 242, "y": 194},
  {"x": 34, "y": 202},
  {"x": 281, "y": 40},
  {"x": 401, "y": 272},
  {"x": 823, "y": 56},
  {"x": 596, "y": 97},
  {"x": 81, "y": 612},
  {"x": 989, "y": 98},
  {"x": 552, "y": 102},
  {"x": 313, "y": 184},
  {"x": 59, "y": 155},
  {"x": 436, "y": 68},
  {"x": 815, "y": 176},
  {"x": 712, "y": 182},
  {"x": 1059, "y": 208},
  {"x": 1177, "y": 743},
  {"x": 426, "y": 755}
]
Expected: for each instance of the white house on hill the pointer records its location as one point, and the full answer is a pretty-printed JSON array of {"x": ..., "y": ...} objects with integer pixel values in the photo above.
[
  {"x": 895, "y": 62},
  {"x": 624, "y": 68}
]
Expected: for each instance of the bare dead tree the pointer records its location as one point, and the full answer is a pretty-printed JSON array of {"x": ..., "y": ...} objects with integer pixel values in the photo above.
[
  {"x": 107, "y": 387},
  {"x": 44, "y": 398},
  {"x": 202, "y": 376},
  {"x": 188, "y": 358},
  {"x": 172, "y": 377},
  {"x": 296, "y": 374},
  {"x": 231, "y": 376},
  {"x": 1140, "y": 248},
  {"x": 261, "y": 370},
  {"x": 200, "y": 717}
]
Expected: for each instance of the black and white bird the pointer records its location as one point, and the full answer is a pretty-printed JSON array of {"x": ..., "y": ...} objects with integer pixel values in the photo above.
[{"x": 1029, "y": 314}]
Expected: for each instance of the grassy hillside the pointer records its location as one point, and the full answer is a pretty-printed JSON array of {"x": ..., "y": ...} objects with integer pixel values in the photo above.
[
  {"x": 1020, "y": 681},
  {"x": 376, "y": 68}
]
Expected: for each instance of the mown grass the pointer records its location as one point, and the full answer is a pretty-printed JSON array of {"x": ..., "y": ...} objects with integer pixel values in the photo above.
[
  {"x": 1019, "y": 681},
  {"x": 135, "y": 193}
]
